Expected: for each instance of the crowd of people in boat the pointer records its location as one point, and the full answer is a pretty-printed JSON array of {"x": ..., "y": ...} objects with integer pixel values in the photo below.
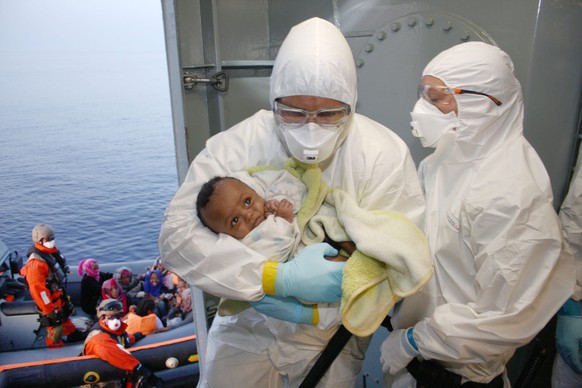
[{"x": 153, "y": 301}]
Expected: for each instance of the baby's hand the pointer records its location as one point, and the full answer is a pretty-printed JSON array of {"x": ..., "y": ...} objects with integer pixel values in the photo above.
[
  {"x": 285, "y": 210},
  {"x": 271, "y": 206}
]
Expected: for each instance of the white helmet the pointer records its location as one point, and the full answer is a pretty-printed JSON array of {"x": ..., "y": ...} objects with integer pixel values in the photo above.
[{"x": 109, "y": 307}]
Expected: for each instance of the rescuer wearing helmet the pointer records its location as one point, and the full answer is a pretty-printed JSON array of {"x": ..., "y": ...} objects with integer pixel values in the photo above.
[
  {"x": 108, "y": 339},
  {"x": 45, "y": 273}
]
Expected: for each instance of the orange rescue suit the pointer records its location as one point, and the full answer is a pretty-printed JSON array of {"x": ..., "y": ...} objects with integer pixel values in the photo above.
[{"x": 102, "y": 345}]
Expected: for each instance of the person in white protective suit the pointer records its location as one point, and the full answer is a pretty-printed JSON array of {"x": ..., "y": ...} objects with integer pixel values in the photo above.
[
  {"x": 501, "y": 267},
  {"x": 567, "y": 372},
  {"x": 313, "y": 92}
]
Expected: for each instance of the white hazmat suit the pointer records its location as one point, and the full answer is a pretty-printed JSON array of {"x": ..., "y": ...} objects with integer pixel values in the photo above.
[
  {"x": 370, "y": 162},
  {"x": 564, "y": 376},
  {"x": 501, "y": 270}
]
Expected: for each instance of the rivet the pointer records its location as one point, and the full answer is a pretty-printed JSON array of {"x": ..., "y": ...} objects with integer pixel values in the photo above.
[
  {"x": 412, "y": 21},
  {"x": 448, "y": 26},
  {"x": 369, "y": 47},
  {"x": 360, "y": 63},
  {"x": 381, "y": 35},
  {"x": 465, "y": 35},
  {"x": 395, "y": 26},
  {"x": 429, "y": 21}
]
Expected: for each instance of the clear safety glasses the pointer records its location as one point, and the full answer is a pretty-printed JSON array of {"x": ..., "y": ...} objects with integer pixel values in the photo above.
[
  {"x": 297, "y": 117},
  {"x": 440, "y": 95}
]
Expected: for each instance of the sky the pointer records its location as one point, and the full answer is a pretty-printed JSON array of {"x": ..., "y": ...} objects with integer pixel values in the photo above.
[
  {"x": 78, "y": 25},
  {"x": 84, "y": 77}
]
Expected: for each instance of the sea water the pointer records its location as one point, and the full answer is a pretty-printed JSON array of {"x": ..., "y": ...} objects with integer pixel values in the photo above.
[{"x": 86, "y": 145}]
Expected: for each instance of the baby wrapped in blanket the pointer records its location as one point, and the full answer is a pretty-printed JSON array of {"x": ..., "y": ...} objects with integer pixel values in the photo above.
[{"x": 391, "y": 261}]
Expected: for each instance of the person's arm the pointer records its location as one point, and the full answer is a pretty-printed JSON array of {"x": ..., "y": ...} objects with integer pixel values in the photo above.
[
  {"x": 134, "y": 291},
  {"x": 522, "y": 277},
  {"x": 191, "y": 250},
  {"x": 285, "y": 210},
  {"x": 36, "y": 274},
  {"x": 569, "y": 322},
  {"x": 102, "y": 346},
  {"x": 571, "y": 217},
  {"x": 201, "y": 257}
]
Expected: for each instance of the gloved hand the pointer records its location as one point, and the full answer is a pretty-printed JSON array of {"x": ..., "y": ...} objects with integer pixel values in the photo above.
[
  {"x": 287, "y": 309},
  {"x": 57, "y": 317},
  {"x": 140, "y": 373},
  {"x": 138, "y": 335},
  {"x": 143, "y": 377},
  {"x": 569, "y": 335},
  {"x": 309, "y": 276},
  {"x": 398, "y": 350}
]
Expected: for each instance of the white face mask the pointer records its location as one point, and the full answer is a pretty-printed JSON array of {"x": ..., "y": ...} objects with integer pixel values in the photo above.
[
  {"x": 429, "y": 123},
  {"x": 114, "y": 324},
  {"x": 49, "y": 244},
  {"x": 311, "y": 143}
]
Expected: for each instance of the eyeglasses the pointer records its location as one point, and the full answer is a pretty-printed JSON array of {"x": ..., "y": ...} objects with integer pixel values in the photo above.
[
  {"x": 297, "y": 117},
  {"x": 438, "y": 95}
]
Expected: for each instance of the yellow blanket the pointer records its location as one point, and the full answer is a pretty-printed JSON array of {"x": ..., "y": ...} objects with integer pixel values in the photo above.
[{"x": 392, "y": 259}]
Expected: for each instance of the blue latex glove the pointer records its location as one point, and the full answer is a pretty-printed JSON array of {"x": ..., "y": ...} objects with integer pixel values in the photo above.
[
  {"x": 569, "y": 335},
  {"x": 287, "y": 309},
  {"x": 398, "y": 350},
  {"x": 309, "y": 276}
]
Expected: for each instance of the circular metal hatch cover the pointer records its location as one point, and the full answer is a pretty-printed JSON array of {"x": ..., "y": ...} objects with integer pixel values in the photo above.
[{"x": 390, "y": 66}]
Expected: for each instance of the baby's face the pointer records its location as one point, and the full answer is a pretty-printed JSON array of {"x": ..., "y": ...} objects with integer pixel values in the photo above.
[{"x": 234, "y": 209}]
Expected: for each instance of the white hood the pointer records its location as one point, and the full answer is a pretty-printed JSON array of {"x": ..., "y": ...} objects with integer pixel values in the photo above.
[
  {"x": 484, "y": 126},
  {"x": 316, "y": 60}
]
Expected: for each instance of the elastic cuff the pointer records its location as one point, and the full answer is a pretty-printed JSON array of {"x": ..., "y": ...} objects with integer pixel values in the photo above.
[
  {"x": 315, "y": 319},
  {"x": 269, "y": 277},
  {"x": 410, "y": 338}
]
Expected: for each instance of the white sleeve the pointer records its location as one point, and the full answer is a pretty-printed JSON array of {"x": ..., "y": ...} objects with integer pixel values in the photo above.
[
  {"x": 218, "y": 264},
  {"x": 520, "y": 277},
  {"x": 571, "y": 217}
]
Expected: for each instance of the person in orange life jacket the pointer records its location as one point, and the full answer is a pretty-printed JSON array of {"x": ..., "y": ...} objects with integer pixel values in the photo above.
[
  {"x": 144, "y": 320},
  {"x": 111, "y": 289},
  {"x": 91, "y": 284},
  {"x": 45, "y": 272},
  {"x": 108, "y": 338}
]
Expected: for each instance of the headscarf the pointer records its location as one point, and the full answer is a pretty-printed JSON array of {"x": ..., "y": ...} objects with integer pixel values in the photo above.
[
  {"x": 315, "y": 59},
  {"x": 85, "y": 266},
  {"x": 122, "y": 271},
  {"x": 106, "y": 292},
  {"x": 154, "y": 291}
]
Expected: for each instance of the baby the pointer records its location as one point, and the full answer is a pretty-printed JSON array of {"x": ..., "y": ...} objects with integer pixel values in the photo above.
[
  {"x": 230, "y": 206},
  {"x": 227, "y": 205}
]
